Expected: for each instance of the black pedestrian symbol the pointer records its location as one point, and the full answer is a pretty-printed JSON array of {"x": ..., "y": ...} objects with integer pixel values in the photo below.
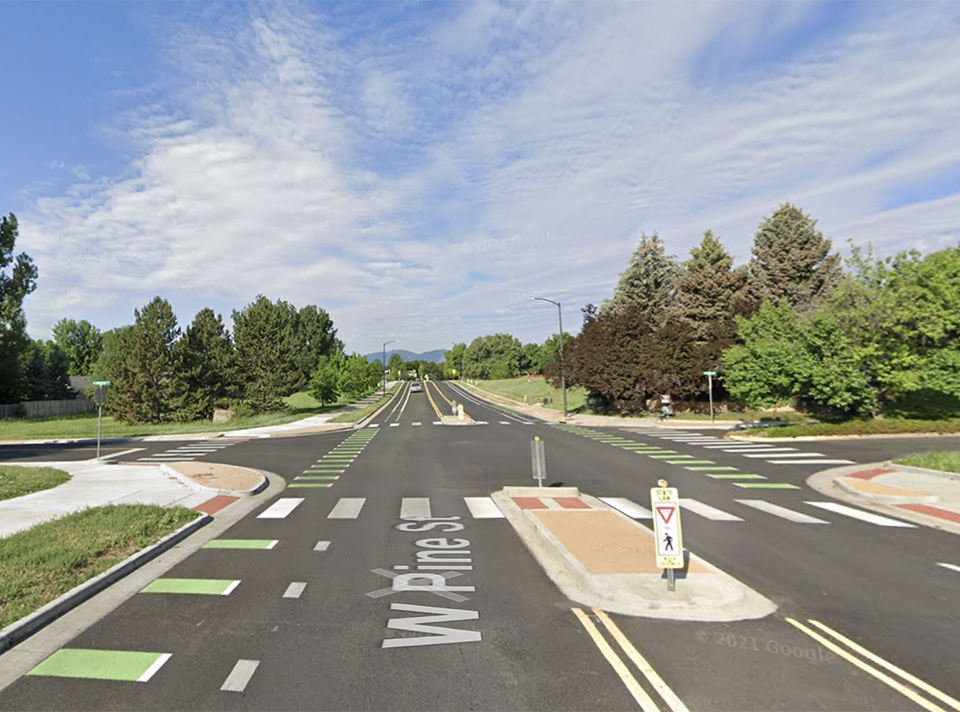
[{"x": 669, "y": 543}]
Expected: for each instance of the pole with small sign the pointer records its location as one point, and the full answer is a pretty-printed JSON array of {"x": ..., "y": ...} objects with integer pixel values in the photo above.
[
  {"x": 460, "y": 411},
  {"x": 99, "y": 397},
  {"x": 538, "y": 457},
  {"x": 665, "y": 503},
  {"x": 710, "y": 375}
]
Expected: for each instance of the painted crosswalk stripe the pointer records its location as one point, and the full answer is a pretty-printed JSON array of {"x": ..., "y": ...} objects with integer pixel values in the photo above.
[
  {"x": 239, "y": 677},
  {"x": 414, "y": 507},
  {"x": 438, "y": 422},
  {"x": 782, "y": 512},
  {"x": 504, "y": 422},
  {"x": 375, "y": 425},
  {"x": 281, "y": 508},
  {"x": 394, "y": 425},
  {"x": 861, "y": 515},
  {"x": 295, "y": 589},
  {"x": 705, "y": 510},
  {"x": 200, "y": 587},
  {"x": 812, "y": 462},
  {"x": 952, "y": 567},
  {"x": 483, "y": 508},
  {"x": 625, "y": 506},
  {"x": 241, "y": 544},
  {"x": 784, "y": 455},
  {"x": 711, "y": 468},
  {"x": 737, "y": 446},
  {"x": 417, "y": 424},
  {"x": 87, "y": 664},
  {"x": 322, "y": 546},
  {"x": 347, "y": 508},
  {"x": 765, "y": 485},
  {"x": 762, "y": 448}
]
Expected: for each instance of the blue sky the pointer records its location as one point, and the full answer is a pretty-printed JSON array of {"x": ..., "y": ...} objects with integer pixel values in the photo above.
[{"x": 418, "y": 169}]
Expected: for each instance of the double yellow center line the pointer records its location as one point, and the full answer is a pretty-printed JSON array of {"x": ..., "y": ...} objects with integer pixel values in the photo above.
[
  {"x": 620, "y": 667},
  {"x": 435, "y": 408},
  {"x": 833, "y": 642}
]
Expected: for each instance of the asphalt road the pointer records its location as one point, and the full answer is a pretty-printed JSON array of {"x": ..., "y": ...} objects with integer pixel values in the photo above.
[{"x": 514, "y": 642}]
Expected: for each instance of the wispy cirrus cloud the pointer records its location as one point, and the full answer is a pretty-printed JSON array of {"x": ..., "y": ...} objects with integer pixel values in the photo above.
[{"x": 376, "y": 160}]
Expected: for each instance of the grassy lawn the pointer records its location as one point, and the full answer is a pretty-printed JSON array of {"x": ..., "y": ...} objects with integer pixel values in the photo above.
[
  {"x": 40, "y": 564},
  {"x": 535, "y": 391},
  {"x": 862, "y": 427},
  {"x": 355, "y": 416},
  {"x": 943, "y": 461},
  {"x": 18, "y": 481},
  {"x": 84, "y": 425}
]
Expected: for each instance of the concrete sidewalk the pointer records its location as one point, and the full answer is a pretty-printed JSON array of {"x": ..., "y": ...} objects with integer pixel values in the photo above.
[{"x": 94, "y": 484}]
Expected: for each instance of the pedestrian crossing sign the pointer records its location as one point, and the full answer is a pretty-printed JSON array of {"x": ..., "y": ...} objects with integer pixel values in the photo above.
[{"x": 665, "y": 503}]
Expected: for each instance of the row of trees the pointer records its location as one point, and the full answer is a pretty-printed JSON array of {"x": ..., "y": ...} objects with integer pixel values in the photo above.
[
  {"x": 499, "y": 356},
  {"x": 791, "y": 326},
  {"x": 160, "y": 374},
  {"x": 18, "y": 278}
]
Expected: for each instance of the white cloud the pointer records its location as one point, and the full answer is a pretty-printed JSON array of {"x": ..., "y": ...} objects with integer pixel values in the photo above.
[{"x": 530, "y": 143}]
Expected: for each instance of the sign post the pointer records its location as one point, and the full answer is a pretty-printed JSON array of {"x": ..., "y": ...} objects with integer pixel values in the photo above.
[
  {"x": 665, "y": 503},
  {"x": 99, "y": 397},
  {"x": 460, "y": 410},
  {"x": 538, "y": 456},
  {"x": 710, "y": 375}
]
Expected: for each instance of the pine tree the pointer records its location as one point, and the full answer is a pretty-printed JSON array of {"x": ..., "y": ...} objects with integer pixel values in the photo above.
[
  {"x": 267, "y": 353},
  {"x": 145, "y": 375},
  {"x": 708, "y": 288},
  {"x": 204, "y": 365},
  {"x": 792, "y": 261},
  {"x": 647, "y": 283}
]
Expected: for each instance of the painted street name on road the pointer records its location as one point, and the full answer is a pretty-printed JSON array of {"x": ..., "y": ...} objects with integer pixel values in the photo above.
[{"x": 438, "y": 560}]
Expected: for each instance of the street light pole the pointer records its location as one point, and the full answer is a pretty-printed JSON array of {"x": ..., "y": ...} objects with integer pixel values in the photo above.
[
  {"x": 563, "y": 372},
  {"x": 383, "y": 365}
]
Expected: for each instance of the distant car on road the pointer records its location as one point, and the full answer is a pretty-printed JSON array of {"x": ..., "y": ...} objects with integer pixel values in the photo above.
[{"x": 416, "y": 387}]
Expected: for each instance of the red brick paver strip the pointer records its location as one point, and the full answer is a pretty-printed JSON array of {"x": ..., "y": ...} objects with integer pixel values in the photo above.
[
  {"x": 214, "y": 505},
  {"x": 571, "y": 503},
  {"x": 937, "y": 512},
  {"x": 870, "y": 474},
  {"x": 529, "y": 503}
]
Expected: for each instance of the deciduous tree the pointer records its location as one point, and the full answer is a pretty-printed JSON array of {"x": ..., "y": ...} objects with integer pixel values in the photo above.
[{"x": 18, "y": 278}]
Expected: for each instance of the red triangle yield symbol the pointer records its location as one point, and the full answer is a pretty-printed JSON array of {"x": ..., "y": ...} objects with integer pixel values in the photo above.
[{"x": 666, "y": 513}]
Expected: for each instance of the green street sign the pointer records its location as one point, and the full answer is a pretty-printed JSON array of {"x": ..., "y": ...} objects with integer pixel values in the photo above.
[
  {"x": 102, "y": 383},
  {"x": 709, "y": 373}
]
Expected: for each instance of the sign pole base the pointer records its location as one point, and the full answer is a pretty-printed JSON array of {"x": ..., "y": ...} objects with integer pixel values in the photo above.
[{"x": 671, "y": 581}]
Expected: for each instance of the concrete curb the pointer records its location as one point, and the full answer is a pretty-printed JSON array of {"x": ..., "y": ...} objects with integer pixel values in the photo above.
[
  {"x": 851, "y": 490},
  {"x": 923, "y": 471},
  {"x": 25, "y": 627},
  {"x": 713, "y": 597},
  {"x": 196, "y": 486},
  {"x": 825, "y": 482},
  {"x": 363, "y": 421}
]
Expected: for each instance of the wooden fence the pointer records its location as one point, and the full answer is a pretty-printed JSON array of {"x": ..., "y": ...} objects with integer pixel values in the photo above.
[{"x": 38, "y": 409}]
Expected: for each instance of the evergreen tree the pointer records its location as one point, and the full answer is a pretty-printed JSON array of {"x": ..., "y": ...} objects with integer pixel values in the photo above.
[
  {"x": 145, "y": 374},
  {"x": 14, "y": 287},
  {"x": 648, "y": 282},
  {"x": 268, "y": 353},
  {"x": 81, "y": 341},
  {"x": 204, "y": 366},
  {"x": 708, "y": 288},
  {"x": 35, "y": 373},
  {"x": 108, "y": 363},
  {"x": 792, "y": 261}
]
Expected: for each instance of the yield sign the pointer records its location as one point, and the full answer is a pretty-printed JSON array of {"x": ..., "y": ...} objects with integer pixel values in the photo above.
[{"x": 666, "y": 512}]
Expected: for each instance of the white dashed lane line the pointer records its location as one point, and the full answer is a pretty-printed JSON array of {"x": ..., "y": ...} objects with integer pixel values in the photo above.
[
  {"x": 239, "y": 677},
  {"x": 281, "y": 508}
]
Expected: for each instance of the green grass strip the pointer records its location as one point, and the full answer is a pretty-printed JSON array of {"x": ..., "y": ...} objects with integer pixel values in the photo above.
[
  {"x": 18, "y": 481},
  {"x": 119, "y": 665},
  {"x": 42, "y": 563},
  {"x": 240, "y": 544},
  {"x": 942, "y": 461}
]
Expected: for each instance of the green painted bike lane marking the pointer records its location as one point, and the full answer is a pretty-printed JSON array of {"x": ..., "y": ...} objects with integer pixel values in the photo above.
[
  {"x": 202, "y": 587},
  {"x": 738, "y": 476},
  {"x": 317, "y": 477},
  {"x": 240, "y": 544},
  {"x": 765, "y": 485},
  {"x": 119, "y": 665},
  {"x": 712, "y": 468},
  {"x": 303, "y": 485}
]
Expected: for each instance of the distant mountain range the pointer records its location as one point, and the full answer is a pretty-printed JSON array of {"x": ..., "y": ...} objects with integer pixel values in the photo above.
[{"x": 435, "y": 356}]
